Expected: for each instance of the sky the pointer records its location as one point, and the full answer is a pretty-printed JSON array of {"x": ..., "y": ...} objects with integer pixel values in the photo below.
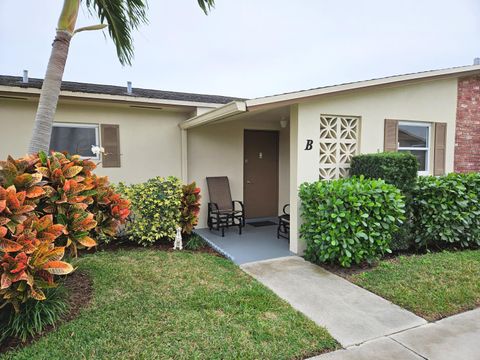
[{"x": 251, "y": 48}]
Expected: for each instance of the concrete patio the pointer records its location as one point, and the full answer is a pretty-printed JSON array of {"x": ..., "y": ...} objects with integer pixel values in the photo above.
[{"x": 255, "y": 243}]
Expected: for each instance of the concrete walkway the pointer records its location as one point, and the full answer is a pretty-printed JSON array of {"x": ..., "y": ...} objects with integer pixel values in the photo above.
[
  {"x": 383, "y": 348},
  {"x": 351, "y": 314},
  {"x": 366, "y": 325},
  {"x": 456, "y": 337}
]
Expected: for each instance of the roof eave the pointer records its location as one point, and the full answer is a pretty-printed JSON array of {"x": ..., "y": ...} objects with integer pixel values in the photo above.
[
  {"x": 306, "y": 94},
  {"x": 108, "y": 97},
  {"x": 237, "y": 107},
  {"x": 220, "y": 113}
]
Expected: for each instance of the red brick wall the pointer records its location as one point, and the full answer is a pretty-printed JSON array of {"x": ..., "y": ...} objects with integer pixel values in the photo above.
[{"x": 467, "y": 134}]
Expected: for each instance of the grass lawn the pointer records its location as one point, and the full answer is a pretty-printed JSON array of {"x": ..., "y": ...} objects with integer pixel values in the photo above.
[
  {"x": 150, "y": 304},
  {"x": 433, "y": 285}
]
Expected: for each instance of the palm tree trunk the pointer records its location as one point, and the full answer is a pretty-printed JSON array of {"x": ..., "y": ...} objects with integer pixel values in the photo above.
[{"x": 47, "y": 104}]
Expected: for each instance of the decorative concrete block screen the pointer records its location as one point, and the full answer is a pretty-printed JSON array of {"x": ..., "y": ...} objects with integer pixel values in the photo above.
[{"x": 338, "y": 143}]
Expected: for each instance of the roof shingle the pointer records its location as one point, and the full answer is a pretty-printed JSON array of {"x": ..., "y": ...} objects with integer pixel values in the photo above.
[{"x": 6, "y": 80}]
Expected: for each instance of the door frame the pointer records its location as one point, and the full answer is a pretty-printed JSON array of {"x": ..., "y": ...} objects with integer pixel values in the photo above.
[{"x": 277, "y": 165}]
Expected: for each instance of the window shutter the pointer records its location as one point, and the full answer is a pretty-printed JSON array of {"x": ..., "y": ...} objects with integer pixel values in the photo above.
[
  {"x": 390, "y": 136},
  {"x": 439, "y": 149},
  {"x": 111, "y": 144}
]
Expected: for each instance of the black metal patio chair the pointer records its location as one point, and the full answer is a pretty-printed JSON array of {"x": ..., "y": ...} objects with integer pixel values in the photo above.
[
  {"x": 222, "y": 212},
  {"x": 283, "y": 229}
]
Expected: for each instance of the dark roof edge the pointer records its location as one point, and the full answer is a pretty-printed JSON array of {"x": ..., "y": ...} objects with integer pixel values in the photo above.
[{"x": 16, "y": 81}]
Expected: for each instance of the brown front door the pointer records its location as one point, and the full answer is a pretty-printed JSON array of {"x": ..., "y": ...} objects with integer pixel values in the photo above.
[{"x": 260, "y": 180}]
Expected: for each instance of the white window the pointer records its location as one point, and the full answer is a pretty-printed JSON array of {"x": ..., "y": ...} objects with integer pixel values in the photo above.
[
  {"x": 75, "y": 139},
  {"x": 415, "y": 138}
]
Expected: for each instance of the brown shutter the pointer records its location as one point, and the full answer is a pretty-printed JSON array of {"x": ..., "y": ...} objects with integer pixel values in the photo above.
[
  {"x": 390, "y": 135},
  {"x": 439, "y": 146},
  {"x": 111, "y": 144}
]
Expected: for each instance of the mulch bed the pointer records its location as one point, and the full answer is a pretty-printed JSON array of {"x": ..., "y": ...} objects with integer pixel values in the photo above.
[
  {"x": 162, "y": 245},
  {"x": 80, "y": 293},
  {"x": 364, "y": 266}
]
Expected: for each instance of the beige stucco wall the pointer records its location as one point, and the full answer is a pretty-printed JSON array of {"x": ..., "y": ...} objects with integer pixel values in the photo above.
[
  {"x": 150, "y": 140},
  {"x": 432, "y": 101},
  {"x": 217, "y": 150}
]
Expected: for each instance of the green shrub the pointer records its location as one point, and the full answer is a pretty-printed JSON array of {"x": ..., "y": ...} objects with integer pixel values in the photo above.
[
  {"x": 156, "y": 209},
  {"x": 403, "y": 239},
  {"x": 446, "y": 210},
  {"x": 34, "y": 316},
  {"x": 194, "y": 242},
  {"x": 396, "y": 168},
  {"x": 349, "y": 220}
]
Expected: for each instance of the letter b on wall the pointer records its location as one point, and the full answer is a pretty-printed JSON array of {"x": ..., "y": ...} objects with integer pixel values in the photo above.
[{"x": 309, "y": 144}]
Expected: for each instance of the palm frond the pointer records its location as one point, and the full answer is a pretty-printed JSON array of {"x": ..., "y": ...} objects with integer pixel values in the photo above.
[
  {"x": 122, "y": 17},
  {"x": 206, "y": 5}
]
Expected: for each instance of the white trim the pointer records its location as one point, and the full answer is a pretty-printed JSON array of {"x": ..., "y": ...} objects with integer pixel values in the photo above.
[
  {"x": 232, "y": 108},
  {"x": 428, "y": 125},
  {"x": 463, "y": 70},
  {"x": 296, "y": 97},
  {"x": 121, "y": 98},
  {"x": 85, "y": 126}
]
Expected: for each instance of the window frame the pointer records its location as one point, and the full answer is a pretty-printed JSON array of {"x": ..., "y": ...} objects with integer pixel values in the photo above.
[
  {"x": 426, "y": 149},
  {"x": 96, "y": 127}
]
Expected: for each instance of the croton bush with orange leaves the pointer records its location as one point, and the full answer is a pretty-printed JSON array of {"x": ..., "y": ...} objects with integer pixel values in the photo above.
[
  {"x": 190, "y": 207},
  {"x": 50, "y": 205}
]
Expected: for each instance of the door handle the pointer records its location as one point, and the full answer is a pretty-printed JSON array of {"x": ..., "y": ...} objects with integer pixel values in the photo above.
[{"x": 249, "y": 182}]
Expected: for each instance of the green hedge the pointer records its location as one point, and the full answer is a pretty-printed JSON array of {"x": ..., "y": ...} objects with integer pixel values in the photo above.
[
  {"x": 349, "y": 220},
  {"x": 396, "y": 168},
  {"x": 156, "y": 209},
  {"x": 446, "y": 210}
]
